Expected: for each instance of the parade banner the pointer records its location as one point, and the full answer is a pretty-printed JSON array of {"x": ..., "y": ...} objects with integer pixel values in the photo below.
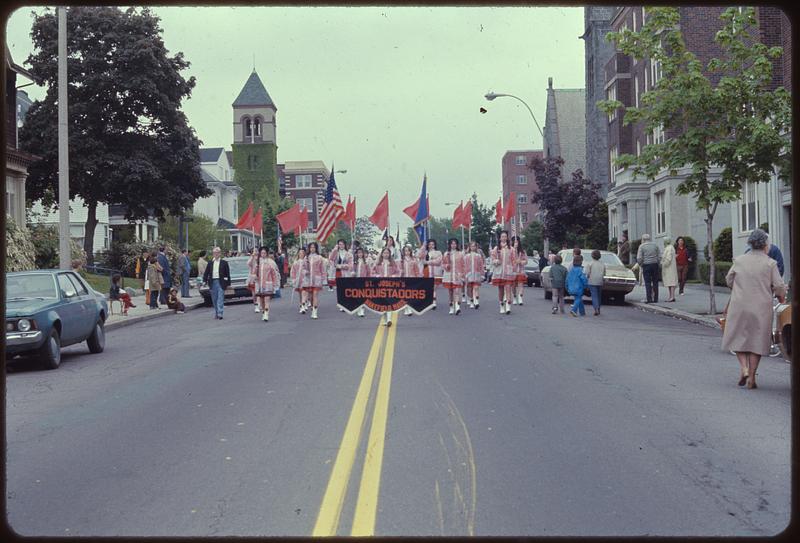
[{"x": 381, "y": 294}]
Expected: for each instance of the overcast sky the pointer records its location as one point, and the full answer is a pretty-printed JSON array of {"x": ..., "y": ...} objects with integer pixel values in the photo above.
[{"x": 388, "y": 93}]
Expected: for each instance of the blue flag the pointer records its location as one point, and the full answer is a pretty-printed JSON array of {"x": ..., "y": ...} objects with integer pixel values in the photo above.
[{"x": 422, "y": 214}]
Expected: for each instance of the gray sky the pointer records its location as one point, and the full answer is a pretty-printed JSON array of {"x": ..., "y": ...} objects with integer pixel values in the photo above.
[{"x": 388, "y": 93}]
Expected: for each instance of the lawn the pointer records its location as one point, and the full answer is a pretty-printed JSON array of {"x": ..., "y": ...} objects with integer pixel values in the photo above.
[{"x": 102, "y": 283}]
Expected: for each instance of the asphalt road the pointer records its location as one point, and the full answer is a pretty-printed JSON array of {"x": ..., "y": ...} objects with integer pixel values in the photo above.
[{"x": 527, "y": 424}]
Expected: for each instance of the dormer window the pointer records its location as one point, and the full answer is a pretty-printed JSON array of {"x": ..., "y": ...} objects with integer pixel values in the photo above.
[
  {"x": 248, "y": 128},
  {"x": 257, "y": 127}
]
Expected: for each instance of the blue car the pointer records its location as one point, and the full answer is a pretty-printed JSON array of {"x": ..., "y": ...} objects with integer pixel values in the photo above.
[{"x": 50, "y": 309}]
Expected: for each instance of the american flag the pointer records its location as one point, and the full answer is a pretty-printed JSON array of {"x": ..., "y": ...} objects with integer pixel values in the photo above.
[{"x": 331, "y": 212}]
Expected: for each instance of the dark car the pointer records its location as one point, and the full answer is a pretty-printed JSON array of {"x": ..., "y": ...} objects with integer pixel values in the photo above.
[
  {"x": 50, "y": 309},
  {"x": 532, "y": 272},
  {"x": 237, "y": 290}
]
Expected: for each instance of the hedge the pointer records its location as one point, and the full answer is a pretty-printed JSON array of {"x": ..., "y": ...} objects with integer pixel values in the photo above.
[
  {"x": 20, "y": 252},
  {"x": 721, "y": 269}
]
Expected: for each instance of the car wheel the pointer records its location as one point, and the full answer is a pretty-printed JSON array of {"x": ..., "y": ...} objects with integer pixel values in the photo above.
[
  {"x": 97, "y": 341},
  {"x": 50, "y": 352}
]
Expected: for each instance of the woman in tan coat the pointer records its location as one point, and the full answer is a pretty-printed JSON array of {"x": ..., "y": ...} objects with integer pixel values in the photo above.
[
  {"x": 669, "y": 268},
  {"x": 753, "y": 280}
]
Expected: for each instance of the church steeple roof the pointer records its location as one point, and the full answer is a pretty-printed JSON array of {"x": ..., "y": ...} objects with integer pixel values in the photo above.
[{"x": 253, "y": 93}]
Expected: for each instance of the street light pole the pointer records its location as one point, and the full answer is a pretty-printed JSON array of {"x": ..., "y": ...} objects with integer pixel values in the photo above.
[{"x": 64, "y": 253}]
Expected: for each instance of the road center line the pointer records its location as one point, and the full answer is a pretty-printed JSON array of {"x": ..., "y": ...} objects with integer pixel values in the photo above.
[
  {"x": 367, "y": 504},
  {"x": 331, "y": 508}
]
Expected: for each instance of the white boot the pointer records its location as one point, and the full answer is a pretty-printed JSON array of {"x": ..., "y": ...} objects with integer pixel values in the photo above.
[
  {"x": 520, "y": 299},
  {"x": 471, "y": 303},
  {"x": 502, "y": 308},
  {"x": 257, "y": 309},
  {"x": 408, "y": 311},
  {"x": 514, "y": 298},
  {"x": 434, "y": 304},
  {"x": 477, "y": 303},
  {"x": 360, "y": 311},
  {"x": 458, "y": 308},
  {"x": 265, "y": 315},
  {"x": 451, "y": 310},
  {"x": 388, "y": 319},
  {"x": 508, "y": 308},
  {"x": 314, "y": 313},
  {"x": 303, "y": 309}
]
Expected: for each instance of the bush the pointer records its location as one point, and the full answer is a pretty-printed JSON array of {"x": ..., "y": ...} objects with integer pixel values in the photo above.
[
  {"x": 721, "y": 269},
  {"x": 634, "y": 248},
  {"x": 612, "y": 245},
  {"x": 723, "y": 246},
  {"x": 45, "y": 241},
  {"x": 20, "y": 251},
  {"x": 765, "y": 227}
]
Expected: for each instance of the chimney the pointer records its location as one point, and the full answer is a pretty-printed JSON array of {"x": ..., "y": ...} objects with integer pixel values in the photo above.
[{"x": 549, "y": 82}]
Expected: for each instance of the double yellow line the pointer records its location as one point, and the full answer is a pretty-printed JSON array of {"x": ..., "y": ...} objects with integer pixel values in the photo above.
[{"x": 367, "y": 502}]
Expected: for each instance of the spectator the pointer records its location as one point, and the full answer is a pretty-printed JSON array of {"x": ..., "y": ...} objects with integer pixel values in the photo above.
[
  {"x": 624, "y": 248},
  {"x": 116, "y": 292},
  {"x": 682, "y": 260},
  {"x": 648, "y": 257},
  {"x": 754, "y": 279},
  {"x": 166, "y": 274},
  {"x": 201, "y": 266},
  {"x": 184, "y": 267},
  {"x": 576, "y": 284},
  {"x": 774, "y": 253},
  {"x": 542, "y": 262},
  {"x": 595, "y": 273},
  {"x": 669, "y": 268},
  {"x": 218, "y": 277},
  {"x": 153, "y": 281},
  {"x": 173, "y": 302},
  {"x": 558, "y": 276},
  {"x": 141, "y": 269}
]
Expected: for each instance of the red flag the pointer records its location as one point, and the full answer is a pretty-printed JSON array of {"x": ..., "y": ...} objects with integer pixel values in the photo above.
[
  {"x": 349, "y": 217},
  {"x": 380, "y": 217},
  {"x": 411, "y": 210},
  {"x": 466, "y": 215},
  {"x": 289, "y": 219},
  {"x": 257, "y": 223},
  {"x": 246, "y": 218},
  {"x": 457, "y": 216},
  {"x": 511, "y": 207},
  {"x": 498, "y": 211},
  {"x": 303, "y": 220}
]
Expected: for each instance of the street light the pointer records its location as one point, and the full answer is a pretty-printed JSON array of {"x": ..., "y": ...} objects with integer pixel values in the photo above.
[
  {"x": 341, "y": 171},
  {"x": 492, "y": 95}
]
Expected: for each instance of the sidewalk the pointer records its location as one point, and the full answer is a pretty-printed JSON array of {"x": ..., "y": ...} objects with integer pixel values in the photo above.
[
  {"x": 692, "y": 306},
  {"x": 143, "y": 312}
]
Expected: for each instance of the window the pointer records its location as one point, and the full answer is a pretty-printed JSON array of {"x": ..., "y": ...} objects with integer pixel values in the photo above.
[
  {"x": 303, "y": 181},
  {"x": 522, "y": 198},
  {"x": 520, "y": 160},
  {"x": 257, "y": 127},
  {"x": 658, "y": 134},
  {"x": 77, "y": 283},
  {"x": 749, "y": 208},
  {"x": 11, "y": 207},
  {"x": 252, "y": 162},
  {"x": 638, "y": 147},
  {"x": 307, "y": 203},
  {"x": 66, "y": 285},
  {"x": 219, "y": 205},
  {"x": 248, "y": 128},
  {"x": 611, "y": 94},
  {"x": 612, "y": 157},
  {"x": 105, "y": 237},
  {"x": 524, "y": 217},
  {"x": 614, "y": 224},
  {"x": 660, "y": 212},
  {"x": 522, "y": 180},
  {"x": 636, "y": 90},
  {"x": 655, "y": 72},
  {"x": 633, "y": 16}
]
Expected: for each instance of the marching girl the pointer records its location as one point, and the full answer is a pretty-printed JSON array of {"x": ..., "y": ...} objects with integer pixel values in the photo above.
[
  {"x": 361, "y": 268},
  {"x": 431, "y": 259},
  {"x": 386, "y": 267},
  {"x": 504, "y": 275},
  {"x": 473, "y": 273},
  {"x": 317, "y": 275},
  {"x": 252, "y": 264},
  {"x": 453, "y": 275},
  {"x": 409, "y": 267},
  {"x": 392, "y": 246},
  {"x": 299, "y": 277},
  {"x": 340, "y": 264},
  {"x": 268, "y": 279},
  {"x": 519, "y": 267}
]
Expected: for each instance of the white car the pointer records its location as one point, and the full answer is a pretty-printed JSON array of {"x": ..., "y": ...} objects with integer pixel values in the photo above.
[{"x": 617, "y": 282}]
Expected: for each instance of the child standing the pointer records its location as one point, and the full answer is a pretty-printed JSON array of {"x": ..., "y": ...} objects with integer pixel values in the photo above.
[
  {"x": 558, "y": 277},
  {"x": 576, "y": 284},
  {"x": 595, "y": 272},
  {"x": 154, "y": 280}
]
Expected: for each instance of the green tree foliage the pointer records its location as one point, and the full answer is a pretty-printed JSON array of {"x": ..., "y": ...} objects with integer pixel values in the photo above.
[
  {"x": 723, "y": 245},
  {"x": 737, "y": 126},
  {"x": 482, "y": 223},
  {"x": 203, "y": 232},
  {"x": 45, "y": 241},
  {"x": 533, "y": 238},
  {"x": 367, "y": 234},
  {"x": 20, "y": 252},
  {"x": 129, "y": 141}
]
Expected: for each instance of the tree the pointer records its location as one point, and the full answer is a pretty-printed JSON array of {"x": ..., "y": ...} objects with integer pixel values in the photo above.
[
  {"x": 736, "y": 126},
  {"x": 482, "y": 223},
  {"x": 203, "y": 232},
  {"x": 342, "y": 231},
  {"x": 533, "y": 238},
  {"x": 367, "y": 233},
  {"x": 570, "y": 209},
  {"x": 129, "y": 141},
  {"x": 596, "y": 235}
]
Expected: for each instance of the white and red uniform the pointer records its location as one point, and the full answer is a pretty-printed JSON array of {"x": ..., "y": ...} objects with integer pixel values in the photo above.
[
  {"x": 473, "y": 269},
  {"x": 519, "y": 266},
  {"x": 386, "y": 269},
  {"x": 503, "y": 260},
  {"x": 317, "y": 272},
  {"x": 299, "y": 274},
  {"x": 252, "y": 264},
  {"x": 453, "y": 265},
  {"x": 361, "y": 269},
  {"x": 268, "y": 278},
  {"x": 409, "y": 267},
  {"x": 343, "y": 259},
  {"x": 434, "y": 267}
]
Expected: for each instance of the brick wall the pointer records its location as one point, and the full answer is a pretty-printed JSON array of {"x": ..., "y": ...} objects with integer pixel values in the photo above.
[{"x": 511, "y": 170}]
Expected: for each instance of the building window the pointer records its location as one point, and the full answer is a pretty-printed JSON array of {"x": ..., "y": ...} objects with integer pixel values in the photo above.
[
  {"x": 303, "y": 181},
  {"x": 307, "y": 203},
  {"x": 522, "y": 198},
  {"x": 105, "y": 237},
  {"x": 522, "y": 180},
  {"x": 248, "y": 128},
  {"x": 658, "y": 134},
  {"x": 614, "y": 233},
  {"x": 633, "y": 16},
  {"x": 638, "y": 147},
  {"x": 655, "y": 72},
  {"x": 611, "y": 94},
  {"x": 749, "y": 208},
  {"x": 612, "y": 158},
  {"x": 524, "y": 217},
  {"x": 660, "y": 212},
  {"x": 11, "y": 208},
  {"x": 636, "y": 90},
  {"x": 252, "y": 162},
  {"x": 257, "y": 127},
  {"x": 520, "y": 160}
]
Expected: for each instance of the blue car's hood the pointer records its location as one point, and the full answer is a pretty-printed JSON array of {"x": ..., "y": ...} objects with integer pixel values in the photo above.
[{"x": 27, "y": 308}]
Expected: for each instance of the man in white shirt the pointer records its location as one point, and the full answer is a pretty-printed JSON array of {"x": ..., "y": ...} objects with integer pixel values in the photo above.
[{"x": 218, "y": 278}]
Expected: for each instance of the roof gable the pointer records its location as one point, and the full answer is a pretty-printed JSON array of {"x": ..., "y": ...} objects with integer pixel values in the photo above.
[
  {"x": 253, "y": 93},
  {"x": 210, "y": 154}
]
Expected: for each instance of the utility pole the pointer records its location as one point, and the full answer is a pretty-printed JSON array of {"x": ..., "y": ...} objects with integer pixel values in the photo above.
[{"x": 64, "y": 253}]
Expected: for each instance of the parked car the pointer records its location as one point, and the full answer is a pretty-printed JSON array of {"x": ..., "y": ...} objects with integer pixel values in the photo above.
[
  {"x": 783, "y": 330},
  {"x": 237, "y": 290},
  {"x": 533, "y": 273},
  {"x": 617, "y": 282},
  {"x": 50, "y": 309}
]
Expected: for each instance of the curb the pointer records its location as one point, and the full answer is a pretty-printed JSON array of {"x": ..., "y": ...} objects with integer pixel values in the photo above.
[
  {"x": 153, "y": 315},
  {"x": 677, "y": 314}
]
